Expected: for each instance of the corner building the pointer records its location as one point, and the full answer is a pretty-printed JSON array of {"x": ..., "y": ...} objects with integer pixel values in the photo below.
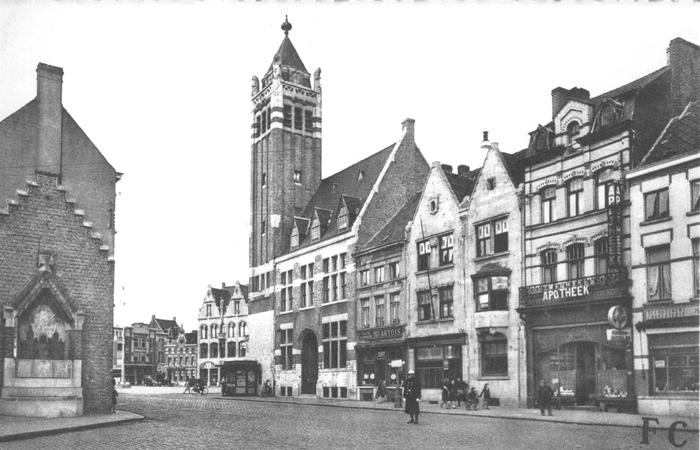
[{"x": 304, "y": 228}]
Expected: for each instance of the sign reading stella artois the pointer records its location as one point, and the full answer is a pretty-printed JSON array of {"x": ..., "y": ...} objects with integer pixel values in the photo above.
[{"x": 614, "y": 194}]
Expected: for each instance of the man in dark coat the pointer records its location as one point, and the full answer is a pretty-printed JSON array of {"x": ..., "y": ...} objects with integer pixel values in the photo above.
[
  {"x": 544, "y": 397},
  {"x": 411, "y": 392}
]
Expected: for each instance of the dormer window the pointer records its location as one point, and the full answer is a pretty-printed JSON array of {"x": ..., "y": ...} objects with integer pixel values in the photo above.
[
  {"x": 315, "y": 230},
  {"x": 572, "y": 131},
  {"x": 342, "y": 218},
  {"x": 294, "y": 240},
  {"x": 297, "y": 177}
]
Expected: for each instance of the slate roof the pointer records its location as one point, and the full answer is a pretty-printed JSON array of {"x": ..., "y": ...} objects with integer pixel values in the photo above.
[
  {"x": 680, "y": 137},
  {"x": 191, "y": 337},
  {"x": 393, "y": 231},
  {"x": 166, "y": 325},
  {"x": 221, "y": 294},
  {"x": 462, "y": 185},
  {"x": 328, "y": 195},
  {"x": 515, "y": 165},
  {"x": 632, "y": 86},
  {"x": 287, "y": 56}
]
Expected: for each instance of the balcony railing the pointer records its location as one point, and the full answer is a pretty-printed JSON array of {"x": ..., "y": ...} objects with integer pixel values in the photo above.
[{"x": 594, "y": 287}]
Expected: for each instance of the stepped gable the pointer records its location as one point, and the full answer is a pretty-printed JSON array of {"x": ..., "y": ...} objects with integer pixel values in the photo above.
[
  {"x": 680, "y": 137},
  {"x": 394, "y": 230},
  {"x": 355, "y": 181},
  {"x": 50, "y": 182}
]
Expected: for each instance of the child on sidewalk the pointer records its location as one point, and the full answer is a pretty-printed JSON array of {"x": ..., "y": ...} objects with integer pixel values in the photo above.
[{"x": 114, "y": 397}]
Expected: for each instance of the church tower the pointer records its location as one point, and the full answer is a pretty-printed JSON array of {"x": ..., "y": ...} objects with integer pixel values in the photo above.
[{"x": 285, "y": 151}]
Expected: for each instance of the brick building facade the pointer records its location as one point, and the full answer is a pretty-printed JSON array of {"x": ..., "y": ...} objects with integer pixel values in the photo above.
[{"x": 56, "y": 269}]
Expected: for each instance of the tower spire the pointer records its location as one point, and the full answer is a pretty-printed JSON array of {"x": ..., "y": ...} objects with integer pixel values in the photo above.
[{"x": 286, "y": 26}]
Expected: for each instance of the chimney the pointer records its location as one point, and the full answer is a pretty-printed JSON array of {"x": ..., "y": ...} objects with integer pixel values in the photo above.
[
  {"x": 485, "y": 144},
  {"x": 462, "y": 170},
  {"x": 684, "y": 59},
  {"x": 49, "y": 83},
  {"x": 560, "y": 96},
  {"x": 223, "y": 285},
  {"x": 446, "y": 168},
  {"x": 408, "y": 126}
]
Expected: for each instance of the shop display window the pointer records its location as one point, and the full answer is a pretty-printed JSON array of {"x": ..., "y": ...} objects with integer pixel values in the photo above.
[
  {"x": 675, "y": 370},
  {"x": 435, "y": 363}
]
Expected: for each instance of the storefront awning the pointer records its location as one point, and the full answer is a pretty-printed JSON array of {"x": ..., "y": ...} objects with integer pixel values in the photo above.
[{"x": 247, "y": 363}]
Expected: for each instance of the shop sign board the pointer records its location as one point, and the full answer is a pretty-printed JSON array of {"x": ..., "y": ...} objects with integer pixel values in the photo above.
[
  {"x": 602, "y": 286},
  {"x": 617, "y": 316},
  {"x": 677, "y": 311},
  {"x": 382, "y": 333},
  {"x": 396, "y": 363},
  {"x": 614, "y": 225},
  {"x": 620, "y": 336}
]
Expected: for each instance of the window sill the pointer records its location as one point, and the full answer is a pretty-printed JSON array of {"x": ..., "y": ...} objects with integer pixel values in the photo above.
[
  {"x": 388, "y": 283},
  {"x": 435, "y": 269},
  {"x": 428, "y": 322},
  {"x": 334, "y": 302},
  {"x": 693, "y": 213},
  {"x": 493, "y": 377},
  {"x": 561, "y": 220},
  {"x": 306, "y": 308},
  {"x": 281, "y": 313},
  {"x": 492, "y": 255},
  {"x": 478, "y": 311},
  {"x": 659, "y": 220}
]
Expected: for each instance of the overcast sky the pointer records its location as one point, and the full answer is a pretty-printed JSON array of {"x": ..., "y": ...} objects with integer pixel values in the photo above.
[{"x": 163, "y": 90}]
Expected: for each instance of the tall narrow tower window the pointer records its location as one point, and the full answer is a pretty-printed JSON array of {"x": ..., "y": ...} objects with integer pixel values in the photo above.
[
  {"x": 297, "y": 176},
  {"x": 287, "y": 118},
  {"x": 269, "y": 119},
  {"x": 308, "y": 121},
  {"x": 263, "y": 179},
  {"x": 298, "y": 118},
  {"x": 264, "y": 122},
  {"x": 256, "y": 130}
]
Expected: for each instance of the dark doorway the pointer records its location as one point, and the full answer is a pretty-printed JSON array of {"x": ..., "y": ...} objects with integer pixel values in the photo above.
[
  {"x": 585, "y": 372},
  {"x": 309, "y": 363}
]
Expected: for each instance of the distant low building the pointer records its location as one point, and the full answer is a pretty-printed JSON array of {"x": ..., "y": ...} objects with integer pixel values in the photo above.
[
  {"x": 181, "y": 357},
  {"x": 118, "y": 354}
]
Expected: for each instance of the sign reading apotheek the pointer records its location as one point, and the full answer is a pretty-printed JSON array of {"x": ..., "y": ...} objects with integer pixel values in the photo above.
[{"x": 382, "y": 333}]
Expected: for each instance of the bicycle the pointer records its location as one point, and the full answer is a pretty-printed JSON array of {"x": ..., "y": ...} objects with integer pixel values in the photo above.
[{"x": 195, "y": 390}]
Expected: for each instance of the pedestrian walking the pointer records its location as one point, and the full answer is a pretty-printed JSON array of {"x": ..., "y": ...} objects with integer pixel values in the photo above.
[
  {"x": 445, "y": 392},
  {"x": 472, "y": 400},
  {"x": 461, "y": 386},
  {"x": 200, "y": 386},
  {"x": 114, "y": 396},
  {"x": 188, "y": 385},
  {"x": 223, "y": 387},
  {"x": 485, "y": 396},
  {"x": 544, "y": 397},
  {"x": 381, "y": 391},
  {"x": 411, "y": 392},
  {"x": 452, "y": 393}
]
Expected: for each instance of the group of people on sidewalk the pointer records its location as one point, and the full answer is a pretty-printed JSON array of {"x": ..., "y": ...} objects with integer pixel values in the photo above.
[{"x": 455, "y": 391}]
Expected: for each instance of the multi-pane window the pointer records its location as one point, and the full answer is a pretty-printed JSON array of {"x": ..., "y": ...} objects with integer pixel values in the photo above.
[
  {"x": 696, "y": 267},
  {"x": 342, "y": 217},
  {"x": 656, "y": 205},
  {"x": 241, "y": 349},
  {"x": 492, "y": 293},
  {"x": 695, "y": 195},
  {"x": 379, "y": 310},
  {"x": 364, "y": 312},
  {"x": 394, "y": 306},
  {"x": 298, "y": 118},
  {"x": 203, "y": 331},
  {"x": 549, "y": 265},
  {"x": 548, "y": 196},
  {"x": 242, "y": 332},
  {"x": 263, "y": 122},
  {"x": 446, "y": 249},
  {"x": 334, "y": 338},
  {"x": 575, "y": 261},
  {"x": 307, "y": 286},
  {"x": 425, "y": 307},
  {"x": 600, "y": 250},
  {"x": 658, "y": 273},
  {"x": 424, "y": 249},
  {"x": 574, "y": 196},
  {"x": 315, "y": 229},
  {"x": 393, "y": 270},
  {"x": 287, "y": 116},
  {"x": 308, "y": 121},
  {"x": 364, "y": 277},
  {"x": 214, "y": 350},
  {"x": 231, "y": 348},
  {"x": 236, "y": 307},
  {"x": 286, "y": 291},
  {"x": 379, "y": 274},
  {"x": 286, "y": 348},
  {"x": 492, "y": 237},
  {"x": 494, "y": 354},
  {"x": 446, "y": 302},
  {"x": 257, "y": 131},
  {"x": 326, "y": 289},
  {"x": 334, "y": 284},
  {"x": 602, "y": 180},
  {"x": 294, "y": 239}
]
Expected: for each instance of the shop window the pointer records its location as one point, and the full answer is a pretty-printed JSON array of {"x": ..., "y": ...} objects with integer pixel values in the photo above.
[
  {"x": 298, "y": 118},
  {"x": 492, "y": 293},
  {"x": 494, "y": 354},
  {"x": 656, "y": 205},
  {"x": 600, "y": 249},
  {"x": 575, "y": 261},
  {"x": 675, "y": 370},
  {"x": 548, "y": 196},
  {"x": 446, "y": 302},
  {"x": 425, "y": 307},
  {"x": 604, "y": 176},
  {"x": 436, "y": 362},
  {"x": 379, "y": 310},
  {"x": 574, "y": 194},
  {"x": 308, "y": 121},
  {"x": 287, "y": 116},
  {"x": 393, "y": 270},
  {"x": 231, "y": 348},
  {"x": 695, "y": 195},
  {"x": 549, "y": 265},
  {"x": 424, "y": 249},
  {"x": 286, "y": 345},
  {"x": 364, "y": 312},
  {"x": 379, "y": 274},
  {"x": 334, "y": 338},
  {"x": 394, "y": 306},
  {"x": 446, "y": 249},
  {"x": 696, "y": 268},
  {"x": 658, "y": 273}
]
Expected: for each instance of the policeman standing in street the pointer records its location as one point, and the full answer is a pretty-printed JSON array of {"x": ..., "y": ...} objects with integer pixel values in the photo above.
[{"x": 411, "y": 392}]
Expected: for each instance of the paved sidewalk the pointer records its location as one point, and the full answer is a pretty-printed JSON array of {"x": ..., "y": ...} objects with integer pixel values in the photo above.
[
  {"x": 559, "y": 416},
  {"x": 14, "y": 428}
]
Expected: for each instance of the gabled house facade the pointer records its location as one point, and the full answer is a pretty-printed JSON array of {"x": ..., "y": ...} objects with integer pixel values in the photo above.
[{"x": 493, "y": 242}]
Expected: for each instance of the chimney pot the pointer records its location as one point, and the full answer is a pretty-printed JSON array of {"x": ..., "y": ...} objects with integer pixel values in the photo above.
[
  {"x": 408, "y": 126},
  {"x": 447, "y": 168},
  {"x": 223, "y": 285},
  {"x": 462, "y": 170}
]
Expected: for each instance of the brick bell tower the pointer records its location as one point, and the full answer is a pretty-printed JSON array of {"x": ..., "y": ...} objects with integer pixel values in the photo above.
[{"x": 285, "y": 166}]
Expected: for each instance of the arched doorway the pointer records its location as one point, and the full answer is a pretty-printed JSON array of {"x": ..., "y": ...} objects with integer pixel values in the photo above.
[{"x": 309, "y": 362}]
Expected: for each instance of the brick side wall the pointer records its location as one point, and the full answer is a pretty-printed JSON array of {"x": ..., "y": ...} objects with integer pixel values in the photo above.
[{"x": 44, "y": 221}]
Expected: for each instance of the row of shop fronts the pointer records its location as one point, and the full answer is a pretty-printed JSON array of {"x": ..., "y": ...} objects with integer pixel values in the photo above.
[{"x": 236, "y": 378}]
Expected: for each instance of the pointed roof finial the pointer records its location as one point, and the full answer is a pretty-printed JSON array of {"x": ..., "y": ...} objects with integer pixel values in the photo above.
[{"x": 286, "y": 26}]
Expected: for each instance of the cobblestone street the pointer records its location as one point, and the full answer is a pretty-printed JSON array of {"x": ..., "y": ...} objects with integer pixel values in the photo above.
[{"x": 184, "y": 421}]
